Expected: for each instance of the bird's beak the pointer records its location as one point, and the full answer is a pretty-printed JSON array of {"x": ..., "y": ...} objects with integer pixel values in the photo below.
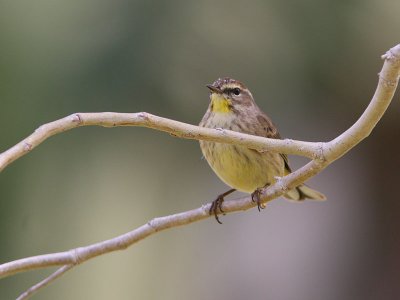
[{"x": 213, "y": 89}]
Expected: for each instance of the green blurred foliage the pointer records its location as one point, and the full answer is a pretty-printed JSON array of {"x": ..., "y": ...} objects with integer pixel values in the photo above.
[{"x": 311, "y": 65}]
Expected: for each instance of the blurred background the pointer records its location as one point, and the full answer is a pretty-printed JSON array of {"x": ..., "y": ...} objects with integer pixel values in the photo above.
[{"x": 311, "y": 65}]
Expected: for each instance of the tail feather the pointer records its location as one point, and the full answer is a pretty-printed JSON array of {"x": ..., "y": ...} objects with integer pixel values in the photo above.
[{"x": 304, "y": 192}]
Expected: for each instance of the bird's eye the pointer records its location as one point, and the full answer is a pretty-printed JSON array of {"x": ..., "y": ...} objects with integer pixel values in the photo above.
[{"x": 236, "y": 91}]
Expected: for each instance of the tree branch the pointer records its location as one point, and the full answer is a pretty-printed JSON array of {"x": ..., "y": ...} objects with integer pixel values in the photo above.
[
  {"x": 322, "y": 154},
  {"x": 143, "y": 119},
  {"x": 33, "y": 289}
]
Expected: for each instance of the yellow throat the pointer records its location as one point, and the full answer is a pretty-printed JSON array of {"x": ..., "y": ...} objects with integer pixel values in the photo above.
[{"x": 220, "y": 104}]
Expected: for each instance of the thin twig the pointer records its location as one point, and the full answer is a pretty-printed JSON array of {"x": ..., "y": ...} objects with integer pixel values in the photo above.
[{"x": 34, "y": 289}]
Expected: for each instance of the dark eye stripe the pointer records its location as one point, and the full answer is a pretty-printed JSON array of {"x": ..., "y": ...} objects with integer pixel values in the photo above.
[{"x": 235, "y": 91}]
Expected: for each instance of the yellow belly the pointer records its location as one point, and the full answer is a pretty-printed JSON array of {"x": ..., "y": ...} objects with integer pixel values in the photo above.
[{"x": 242, "y": 168}]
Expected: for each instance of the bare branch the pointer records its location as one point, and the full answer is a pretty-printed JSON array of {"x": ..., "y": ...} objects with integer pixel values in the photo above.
[
  {"x": 143, "y": 119},
  {"x": 388, "y": 81},
  {"x": 34, "y": 289},
  {"x": 322, "y": 154}
]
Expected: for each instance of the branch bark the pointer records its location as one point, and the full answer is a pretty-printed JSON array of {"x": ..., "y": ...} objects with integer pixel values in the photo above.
[
  {"x": 143, "y": 119},
  {"x": 321, "y": 155},
  {"x": 33, "y": 289}
]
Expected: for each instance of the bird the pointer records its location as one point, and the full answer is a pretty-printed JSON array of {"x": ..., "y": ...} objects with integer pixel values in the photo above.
[{"x": 232, "y": 107}]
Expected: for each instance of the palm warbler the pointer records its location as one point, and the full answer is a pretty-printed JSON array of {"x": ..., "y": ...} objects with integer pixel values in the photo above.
[{"x": 232, "y": 107}]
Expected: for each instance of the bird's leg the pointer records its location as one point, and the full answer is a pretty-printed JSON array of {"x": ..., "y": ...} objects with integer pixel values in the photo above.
[
  {"x": 255, "y": 197},
  {"x": 216, "y": 205}
]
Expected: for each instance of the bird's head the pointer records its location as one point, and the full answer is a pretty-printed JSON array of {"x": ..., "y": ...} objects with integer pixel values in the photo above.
[{"x": 228, "y": 95}]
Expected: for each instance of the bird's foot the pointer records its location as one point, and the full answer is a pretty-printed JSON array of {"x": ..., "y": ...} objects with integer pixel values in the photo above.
[
  {"x": 256, "y": 197},
  {"x": 216, "y": 205}
]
